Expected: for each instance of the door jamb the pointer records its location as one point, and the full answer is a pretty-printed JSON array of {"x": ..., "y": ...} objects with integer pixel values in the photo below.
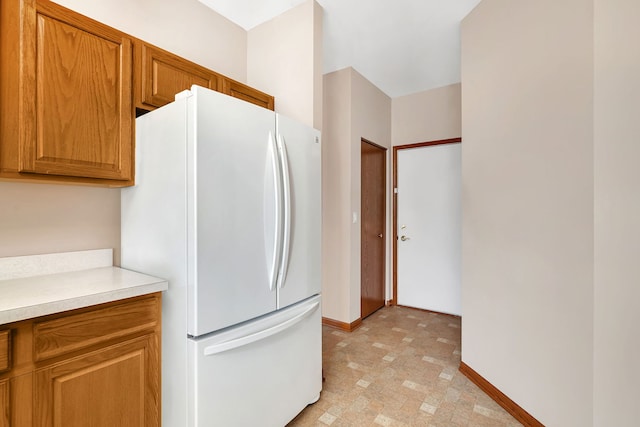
[{"x": 394, "y": 300}]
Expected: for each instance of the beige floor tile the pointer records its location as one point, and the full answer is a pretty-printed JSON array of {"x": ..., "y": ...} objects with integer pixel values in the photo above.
[{"x": 400, "y": 368}]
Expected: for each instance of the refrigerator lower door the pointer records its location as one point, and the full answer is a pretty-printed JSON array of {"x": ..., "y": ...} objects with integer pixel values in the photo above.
[{"x": 261, "y": 373}]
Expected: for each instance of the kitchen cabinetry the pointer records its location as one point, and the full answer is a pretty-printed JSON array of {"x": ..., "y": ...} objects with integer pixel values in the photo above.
[
  {"x": 5, "y": 351},
  {"x": 5, "y": 357},
  {"x": 160, "y": 75},
  {"x": 97, "y": 366},
  {"x": 4, "y": 403},
  {"x": 68, "y": 88},
  {"x": 66, "y": 96},
  {"x": 247, "y": 93}
]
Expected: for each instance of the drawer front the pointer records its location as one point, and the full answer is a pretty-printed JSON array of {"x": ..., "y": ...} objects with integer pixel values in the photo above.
[
  {"x": 55, "y": 337},
  {"x": 5, "y": 350}
]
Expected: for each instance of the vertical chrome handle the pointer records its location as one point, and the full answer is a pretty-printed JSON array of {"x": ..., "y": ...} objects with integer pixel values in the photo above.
[
  {"x": 286, "y": 191},
  {"x": 277, "y": 241}
]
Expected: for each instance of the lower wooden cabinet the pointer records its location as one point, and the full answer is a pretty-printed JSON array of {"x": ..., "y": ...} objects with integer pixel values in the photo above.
[
  {"x": 5, "y": 350},
  {"x": 98, "y": 366},
  {"x": 4, "y": 403},
  {"x": 114, "y": 386},
  {"x": 20, "y": 400}
]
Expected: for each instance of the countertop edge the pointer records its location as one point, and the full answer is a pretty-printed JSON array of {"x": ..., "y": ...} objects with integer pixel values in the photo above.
[{"x": 143, "y": 285}]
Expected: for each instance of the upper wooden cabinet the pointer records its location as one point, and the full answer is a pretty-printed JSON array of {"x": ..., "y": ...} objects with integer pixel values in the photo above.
[
  {"x": 247, "y": 93},
  {"x": 160, "y": 75},
  {"x": 68, "y": 88},
  {"x": 66, "y": 95}
]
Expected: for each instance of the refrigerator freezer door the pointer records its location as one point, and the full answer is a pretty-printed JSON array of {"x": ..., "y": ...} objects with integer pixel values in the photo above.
[
  {"x": 302, "y": 156},
  {"x": 232, "y": 212},
  {"x": 262, "y": 373}
]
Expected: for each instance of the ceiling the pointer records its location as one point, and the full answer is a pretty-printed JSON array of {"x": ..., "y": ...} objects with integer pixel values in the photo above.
[{"x": 401, "y": 46}]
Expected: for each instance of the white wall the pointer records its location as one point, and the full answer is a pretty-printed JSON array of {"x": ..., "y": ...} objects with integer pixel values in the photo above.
[
  {"x": 285, "y": 60},
  {"x": 353, "y": 109},
  {"x": 336, "y": 196},
  {"x": 617, "y": 213},
  {"x": 430, "y": 115},
  {"x": 187, "y": 28},
  {"x": 527, "y": 170},
  {"x": 371, "y": 120},
  {"x": 45, "y": 218}
]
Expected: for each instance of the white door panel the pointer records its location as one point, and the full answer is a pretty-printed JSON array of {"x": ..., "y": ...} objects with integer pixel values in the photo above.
[
  {"x": 232, "y": 222},
  {"x": 429, "y": 245},
  {"x": 303, "y": 275}
]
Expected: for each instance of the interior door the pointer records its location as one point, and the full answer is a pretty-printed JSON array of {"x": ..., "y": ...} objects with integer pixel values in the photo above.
[
  {"x": 428, "y": 261},
  {"x": 373, "y": 220}
]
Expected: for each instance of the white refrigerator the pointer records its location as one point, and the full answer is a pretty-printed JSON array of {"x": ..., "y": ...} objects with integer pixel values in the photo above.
[{"x": 227, "y": 207}]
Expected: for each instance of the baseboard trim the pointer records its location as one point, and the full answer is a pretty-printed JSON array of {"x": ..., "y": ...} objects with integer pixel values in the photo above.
[
  {"x": 430, "y": 311},
  {"x": 499, "y": 397},
  {"x": 347, "y": 327}
]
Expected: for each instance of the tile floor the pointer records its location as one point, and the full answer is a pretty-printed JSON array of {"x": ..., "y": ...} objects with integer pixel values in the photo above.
[{"x": 400, "y": 368}]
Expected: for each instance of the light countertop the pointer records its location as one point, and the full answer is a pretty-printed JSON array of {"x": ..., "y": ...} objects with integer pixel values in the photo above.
[{"x": 38, "y": 295}]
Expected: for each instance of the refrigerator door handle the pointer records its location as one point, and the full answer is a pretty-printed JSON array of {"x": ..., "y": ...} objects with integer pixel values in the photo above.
[
  {"x": 286, "y": 193},
  {"x": 277, "y": 241},
  {"x": 260, "y": 335}
]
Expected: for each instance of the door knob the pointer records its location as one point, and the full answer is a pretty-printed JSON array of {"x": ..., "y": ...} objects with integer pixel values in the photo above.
[
  {"x": 403, "y": 238},
  {"x": 380, "y": 235}
]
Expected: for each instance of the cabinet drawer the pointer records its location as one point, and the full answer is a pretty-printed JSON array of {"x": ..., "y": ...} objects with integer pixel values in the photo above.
[
  {"x": 5, "y": 350},
  {"x": 54, "y": 337}
]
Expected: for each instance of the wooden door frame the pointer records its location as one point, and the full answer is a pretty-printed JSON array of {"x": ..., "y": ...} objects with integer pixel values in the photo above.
[
  {"x": 394, "y": 300},
  {"x": 384, "y": 234}
]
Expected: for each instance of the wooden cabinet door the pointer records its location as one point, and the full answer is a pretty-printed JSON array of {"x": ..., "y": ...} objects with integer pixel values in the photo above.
[
  {"x": 78, "y": 96},
  {"x": 117, "y": 386},
  {"x": 4, "y": 403},
  {"x": 162, "y": 75},
  {"x": 15, "y": 401},
  {"x": 247, "y": 93}
]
